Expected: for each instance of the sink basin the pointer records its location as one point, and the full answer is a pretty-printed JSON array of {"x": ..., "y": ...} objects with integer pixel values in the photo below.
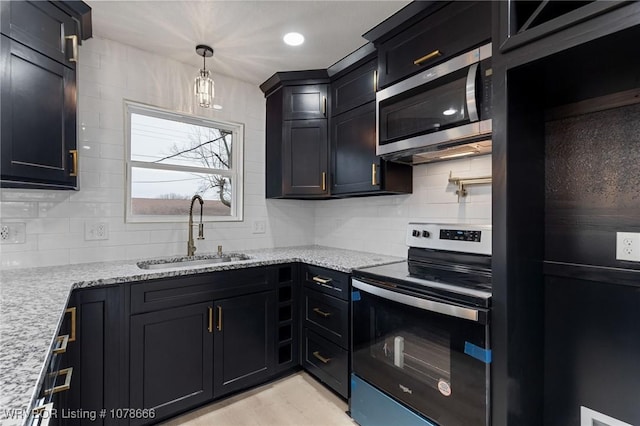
[{"x": 202, "y": 260}]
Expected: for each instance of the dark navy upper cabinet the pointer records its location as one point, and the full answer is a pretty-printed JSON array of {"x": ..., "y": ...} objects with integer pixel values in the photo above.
[
  {"x": 355, "y": 88},
  {"x": 38, "y": 59},
  {"x": 305, "y": 101}
]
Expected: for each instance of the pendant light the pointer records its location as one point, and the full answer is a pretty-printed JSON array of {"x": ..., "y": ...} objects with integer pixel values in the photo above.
[{"x": 204, "y": 86}]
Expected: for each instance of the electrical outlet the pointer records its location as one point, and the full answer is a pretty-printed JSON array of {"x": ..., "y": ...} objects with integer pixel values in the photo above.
[
  {"x": 259, "y": 226},
  {"x": 13, "y": 233},
  {"x": 96, "y": 231},
  {"x": 628, "y": 246}
]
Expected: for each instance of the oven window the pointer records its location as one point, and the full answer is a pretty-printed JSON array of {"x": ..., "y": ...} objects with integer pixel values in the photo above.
[{"x": 425, "y": 109}]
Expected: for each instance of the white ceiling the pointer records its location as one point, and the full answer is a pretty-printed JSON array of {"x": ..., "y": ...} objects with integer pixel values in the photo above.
[{"x": 245, "y": 35}]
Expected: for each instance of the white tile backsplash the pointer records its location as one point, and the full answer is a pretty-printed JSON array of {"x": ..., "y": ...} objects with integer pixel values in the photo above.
[{"x": 111, "y": 72}]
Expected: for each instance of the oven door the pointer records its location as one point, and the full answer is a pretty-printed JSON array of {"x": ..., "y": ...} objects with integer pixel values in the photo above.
[{"x": 431, "y": 355}]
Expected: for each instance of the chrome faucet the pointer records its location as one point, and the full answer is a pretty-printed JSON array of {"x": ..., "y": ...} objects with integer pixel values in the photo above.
[{"x": 191, "y": 247}]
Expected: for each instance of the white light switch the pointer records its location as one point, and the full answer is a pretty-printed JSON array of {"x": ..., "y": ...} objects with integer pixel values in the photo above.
[{"x": 259, "y": 226}]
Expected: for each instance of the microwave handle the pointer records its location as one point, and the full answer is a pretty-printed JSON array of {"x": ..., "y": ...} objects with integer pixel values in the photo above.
[
  {"x": 417, "y": 302},
  {"x": 471, "y": 93}
]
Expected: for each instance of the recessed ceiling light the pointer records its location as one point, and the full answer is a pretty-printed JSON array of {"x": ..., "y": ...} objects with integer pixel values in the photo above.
[{"x": 293, "y": 39}]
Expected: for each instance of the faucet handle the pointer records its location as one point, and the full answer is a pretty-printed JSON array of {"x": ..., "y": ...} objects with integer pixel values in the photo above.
[{"x": 201, "y": 231}]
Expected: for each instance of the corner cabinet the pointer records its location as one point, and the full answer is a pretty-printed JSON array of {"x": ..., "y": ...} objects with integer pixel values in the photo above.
[
  {"x": 38, "y": 59},
  {"x": 297, "y": 152}
]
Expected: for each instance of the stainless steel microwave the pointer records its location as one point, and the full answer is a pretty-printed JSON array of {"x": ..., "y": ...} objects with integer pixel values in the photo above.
[{"x": 440, "y": 113}]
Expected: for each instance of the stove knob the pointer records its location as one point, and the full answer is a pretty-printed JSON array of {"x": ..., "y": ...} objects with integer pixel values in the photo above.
[
  {"x": 426, "y": 234},
  {"x": 415, "y": 233}
]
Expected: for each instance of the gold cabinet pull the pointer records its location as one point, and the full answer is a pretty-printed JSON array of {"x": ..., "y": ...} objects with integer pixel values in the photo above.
[
  {"x": 374, "y": 180},
  {"x": 74, "y": 47},
  {"x": 426, "y": 57},
  {"x": 61, "y": 344},
  {"x": 324, "y": 181},
  {"x": 375, "y": 80},
  {"x": 210, "y": 328},
  {"x": 321, "y": 312},
  {"x": 72, "y": 311},
  {"x": 324, "y": 106},
  {"x": 321, "y": 358},
  {"x": 321, "y": 280},
  {"x": 74, "y": 162},
  {"x": 67, "y": 372},
  {"x": 219, "y": 326}
]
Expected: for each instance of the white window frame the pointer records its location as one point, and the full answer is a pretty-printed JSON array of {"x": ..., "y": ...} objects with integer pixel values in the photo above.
[{"x": 235, "y": 173}]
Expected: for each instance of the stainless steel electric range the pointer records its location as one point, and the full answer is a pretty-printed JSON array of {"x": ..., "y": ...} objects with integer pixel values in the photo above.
[{"x": 421, "y": 350}]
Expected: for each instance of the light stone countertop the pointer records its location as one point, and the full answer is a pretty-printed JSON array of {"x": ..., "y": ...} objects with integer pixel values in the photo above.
[{"x": 33, "y": 300}]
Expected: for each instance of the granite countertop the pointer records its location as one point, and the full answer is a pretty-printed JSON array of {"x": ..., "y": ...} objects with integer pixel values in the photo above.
[{"x": 32, "y": 302}]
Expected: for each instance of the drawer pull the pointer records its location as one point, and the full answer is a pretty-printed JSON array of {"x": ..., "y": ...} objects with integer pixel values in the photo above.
[
  {"x": 375, "y": 80},
  {"x": 324, "y": 181},
  {"x": 321, "y": 358},
  {"x": 61, "y": 344},
  {"x": 374, "y": 180},
  {"x": 210, "y": 328},
  {"x": 74, "y": 162},
  {"x": 72, "y": 311},
  {"x": 67, "y": 372},
  {"x": 425, "y": 58},
  {"x": 324, "y": 106},
  {"x": 321, "y": 312},
  {"x": 219, "y": 326},
  {"x": 321, "y": 280}
]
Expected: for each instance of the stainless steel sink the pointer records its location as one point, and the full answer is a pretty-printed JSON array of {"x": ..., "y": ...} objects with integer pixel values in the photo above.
[{"x": 202, "y": 260}]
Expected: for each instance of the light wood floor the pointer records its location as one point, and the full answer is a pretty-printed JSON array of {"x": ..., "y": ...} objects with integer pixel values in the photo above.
[{"x": 296, "y": 400}]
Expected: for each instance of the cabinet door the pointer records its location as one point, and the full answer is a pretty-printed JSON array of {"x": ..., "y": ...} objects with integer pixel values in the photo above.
[
  {"x": 171, "y": 360},
  {"x": 43, "y": 27},
  {"x": 94, "y": 354},
  {"x": 305, "y": 158},
  {"x": 451, "y": 30},
  {"x": 38, "y": 134},
  {"x": 355, "y": 88},
  {"x": 305, "y": 102},
  {"x": 353, "y": 150},
  {"x": 244, "y": 341}
]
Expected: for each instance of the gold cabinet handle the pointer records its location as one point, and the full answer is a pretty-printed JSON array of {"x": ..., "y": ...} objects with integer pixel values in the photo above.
[
  {"x": 426, "y": 57},
  {"x": 375, "y": 80},
  {"x": 61, "y": 344},
  {"x": 321, "y": 312},
  {"x": 321, "y": 280},
  {"x": 67, "y": 372},
  {"x": 74, "y": 161},
  {"x": 72, "y": 311},
  {"x": 219, "y": 326},
  {"x": 324, "y": 181},
  {"x": 374, "y": 175},
  {"x": 74, "y": 47},
  {"x": 210, "y": 328},
  {"x": 324, "y": 106},
  {"x": 321, "y": 358}
]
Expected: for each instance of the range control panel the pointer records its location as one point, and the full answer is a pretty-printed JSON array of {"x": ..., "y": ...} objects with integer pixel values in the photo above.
[
  {"x": 461, "y": 235},
  {"x": 466, "y": 238}
]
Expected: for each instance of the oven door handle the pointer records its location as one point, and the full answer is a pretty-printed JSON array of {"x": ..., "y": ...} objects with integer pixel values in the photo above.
[{"x": 417, "y": 302}]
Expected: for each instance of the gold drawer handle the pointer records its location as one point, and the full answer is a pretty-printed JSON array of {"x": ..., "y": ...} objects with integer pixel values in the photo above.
[
  {"x": 67, "y": 372},
  {"x": 324, "y": 106},
  {"x": 374, "y": 175},
  {"x": 74, "y": 47},
  {"x": 210, "y": 328},
  {"x": 324, "y": 181},
  {"x": 321, "y": 280},
  {"x": 425, "y": 58},
  {"x": 321, "y": 358},
  {"x": 72, "y": 311},
  {"x": 219, "y": 326},
  {"x": 74, "y": 161},
  {"x": 321, "y": 313},
  {"x": 61, "y": 346}
]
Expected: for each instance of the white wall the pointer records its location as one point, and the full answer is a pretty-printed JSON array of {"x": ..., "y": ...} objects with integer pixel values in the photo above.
[
  {"x": 110, "y": 72},
  {"x": 55, "y": 220},
  {"x": 378, "y": 224}
]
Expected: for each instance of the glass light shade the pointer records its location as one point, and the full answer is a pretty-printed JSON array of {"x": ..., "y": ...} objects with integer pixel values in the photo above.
[{"x": 204, "y": 89}]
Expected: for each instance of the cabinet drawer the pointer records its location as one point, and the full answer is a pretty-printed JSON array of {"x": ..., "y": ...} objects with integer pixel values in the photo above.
[
  {"x": 327, "y": 281},
  {"x": 327, "y": 315},
  {"x": 327, "y": 361},
  {"x": 450, "y": 30},
  {"x": 179, "y": 291}
]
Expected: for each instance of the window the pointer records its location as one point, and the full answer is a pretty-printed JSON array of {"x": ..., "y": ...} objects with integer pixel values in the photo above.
[{"x": 172, "y": 156}]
